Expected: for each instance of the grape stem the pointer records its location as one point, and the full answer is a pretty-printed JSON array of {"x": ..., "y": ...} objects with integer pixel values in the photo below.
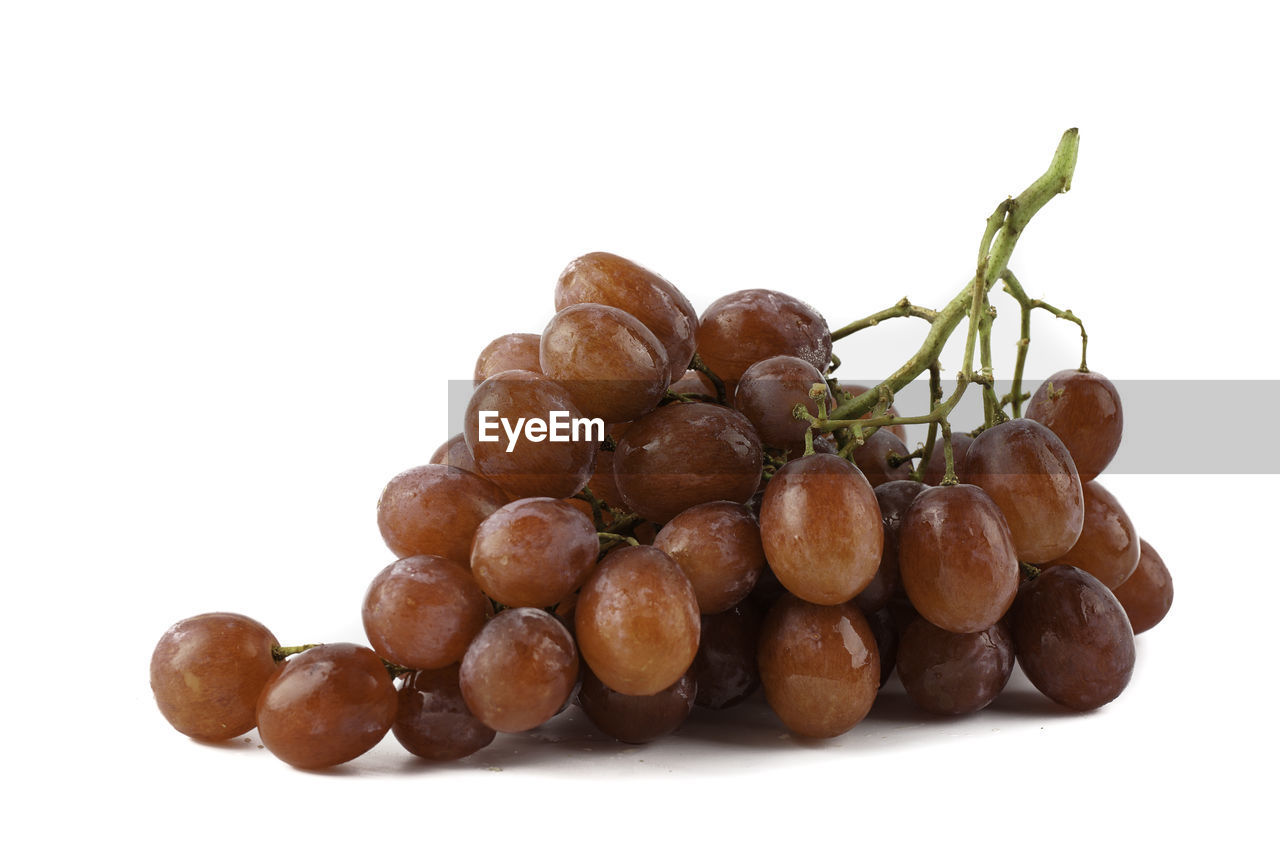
[
  {"x": 1014, "y": 288},
  {"x": 279, "y": 653},
  {"x": 903, "y": 308},
  {"x": 701, "y": 366}
]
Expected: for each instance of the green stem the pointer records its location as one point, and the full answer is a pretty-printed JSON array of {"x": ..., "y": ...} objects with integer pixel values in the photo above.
[
  {"x": 902, "y": 308},
  {"x": 935, "y": 397},
  {"x": 282, "y": 652},
  {"x": 701, "y": 366}
]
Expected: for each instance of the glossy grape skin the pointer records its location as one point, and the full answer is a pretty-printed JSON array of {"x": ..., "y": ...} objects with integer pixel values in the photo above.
[
  {"x": 435, "y": 509},
  {"x": 768, "y": 393},
  {"x": 1073, "y": 639},
  {"x": 937, "y": 467},
  {"x": 946, "y": 673},
  {"x": 956, "y": 558},
  {"x": 895, "y": 498},
  {"x": 327, "y": 706},
  {"x": 819, "y": 666},
  {"x": 1083, "y": 410},
  {"x": 454, "y": 453},
  {"x": 637, "y": 621},
  {"x": 1108, "y": 547},
  {"x": 1028, "y": 472},
  {"x": 693, "y": 382},
  {"x": 608, "y": 279},
  {"x": 1147, "y": 595},
  {"x": 532, "y": 469},
  {"x": 872, "y": 458},
  {"x": 432, "y": 719},
  {"x": 518, "y": 351},
  {"x": 725, "y": 667},
  {"x": 207, "y": 672},
  {"x": 611, "y": 365},
  {"x": 858, "y": 390},
  {"x": 520, "y": 670},
  {"x": 422, "y": 612},
  {"x": 718, "y": 546},
  {"x": 885, "y": 632},
  {"x": 686, "y": 454},
  {"x": 744, "y": 327},
  {"x": 821, "y": 528},
  {"x": 637, "y": 719},
  {"x": 886, "y": 581},
  {"x": 534, "y": 552}
]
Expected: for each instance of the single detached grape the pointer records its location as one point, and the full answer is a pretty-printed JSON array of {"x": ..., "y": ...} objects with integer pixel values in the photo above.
[
  {"x": 422, "y": 612},
  {"x": 1108, "y": 547},
  {"x": 1148, "y": 593},
  {"x": 1028, "y": 472},
  {"x": 520, "y": 670},
  {"x": 1083, "y": 409},
  {"x": 326, "y": 706},
  {"x": 937, "y": 467},
  {"x": 948, "y": 673},
  {"x": 768, "y": 393},
  {"x": 534, "y": 552},
  {"x": 725, "y": 667},
  {"x": 637, "y": 621},
  {"x": 957, "y": 560},
  {"x": 742, "y": 328},
  {"x": 637, "y": 719},
  {"x": 821, "y": 528},
  {"x": 1072, "y": 638},
  {"x": 718, "y": 546},
  {"x": 435, "y": 509},
  {"x": 432, "y": 719},
  {"x": 517, "y": 351},
  {"x": 819, "y": 666},
  {"x": 207, "y": 673}
]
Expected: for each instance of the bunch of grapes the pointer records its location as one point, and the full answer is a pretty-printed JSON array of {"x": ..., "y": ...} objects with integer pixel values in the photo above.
[{"x": 739, "y": 520}]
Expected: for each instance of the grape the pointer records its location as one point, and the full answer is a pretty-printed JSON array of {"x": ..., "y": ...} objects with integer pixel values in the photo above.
[
  {"x": 885, "y": 632},
  {"x": 1148, "y": 593},
  {"x": 611, "y": 365},
  {"x": 510, "y": 352},
  {"x": 1072, "y": 638},
  {"x": 948, "y": 673},
  {"x": 718, "y": 546},
  {"x": 326, "y": 706},
  {"x": 432, "y": 719},
  {"x": 885, "y": 582},
  {"x": 435, "y": 509},
  {"x": 768, "y": 393},
  {"x": 610, "y": 280},
  {"x": 1028, "y": 472},
  {"x": 422, "y": 612},
  {"x": 531, "y": 468},
  {"x": 454, "y": 453},
  {"x": 937, "y": 467},
  {"x": 687, "y": 454},
  {"x": 534, "y": 552},
  {"x": 725, "y": 667},
  {"x": 858, "y": 390},
  {"x": 1083, "y": 409},
  {"x": 1108, "y": 547},
  {"x": 637, "y": 719},
  {"x": 744, "y": 327},
  {"x": 520, "y": 671},
  {"x": 819, "y": 666},
  {"x": 872, "y": 458},
  {"x": 637, "y": 621},
  {"x": 207, "y": 672},
  {"x": 957, "y": 560},
  {"x": 821, "y": 528},
  {"x": 693, "y": 382},
  {"x": 894, "y": 499}
]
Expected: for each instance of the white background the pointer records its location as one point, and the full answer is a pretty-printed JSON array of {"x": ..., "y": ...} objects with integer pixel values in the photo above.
[{"x": 244, "y": 245}]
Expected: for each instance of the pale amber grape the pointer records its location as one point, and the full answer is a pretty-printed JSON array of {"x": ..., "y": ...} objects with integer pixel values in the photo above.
[
  {"x": 534, "y": 552},
  {"x": 518, "y": 351},
  {"x": 1148, "y": 593},
  {"x": 957, "y": 559},
  {"x": 744, "y": 327},
  {"x": 637, "y": 719},
  {"x": 637, "y": 621},
  {"x": 768, "y": 394},
  {"x": 611, "y": 365},
  {"x": 718, "y": 546},
  {"x": 1108, "y": 547},
  {"x": 432, "y": 719},
  {"x": 527, "y": 467},
  {"x": 1083, "y": 409},
  {"x": 1028, "y": 472},
  {"x": 686, "y": 454},
  {"x": 422, "y": 612},
  {"x": 207, "y": 672},
  {"x": 819, "y": 666},
  {"x": 608, "y": 279},
  {"x": 519, "y": 671},
  {"x": 435, "y": 509},
  {"x": 821, "y": 528},
  {"x": 326, "y": 706}
]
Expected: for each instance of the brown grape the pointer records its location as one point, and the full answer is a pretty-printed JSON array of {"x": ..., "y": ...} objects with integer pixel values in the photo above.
[
  {"x": 207, "y": 672},
  {"x": 873, "y": 458},
  {"x": 693, "y": 382},
  {"x": 637, "y": 621},
  {"x": 1108, "y": 547},
  {"x": 326, "y": 706},
  {"x": 454, "y": 453},
  {"x": 637, "y": 719},
  {"x": 534, "y": 552},
  {"x": 937, "y": 467},
  {"x": 819, "y": 666},
  {"x": 1083, "y": 409},
  {"x": 1148, "y": 593},
  {"x": 432, "y": 719},
  {"x": 519, "y": 671},
  {"x": 744, "y": 327},
  {"x": 885, "y": 631},
  {"x": 718, "y": 546},
  {"x": 725, "y": 667},
  {"x": 957, "y": 560},
  {"x": 821, "y": 528},
  {"x": 435, "y": 509},
  {"x": 947, "y": 673},
  {"x": 768, "y": 393},
  {"x": 422, "y": 612},
  {"x": 517, "y": 351}
]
